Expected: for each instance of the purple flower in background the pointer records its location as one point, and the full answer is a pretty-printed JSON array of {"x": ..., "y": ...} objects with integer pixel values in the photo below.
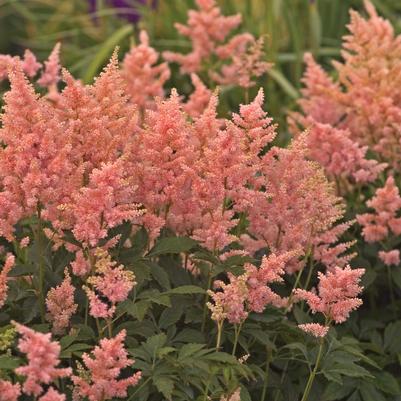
[{"x": 130, "y": 9}]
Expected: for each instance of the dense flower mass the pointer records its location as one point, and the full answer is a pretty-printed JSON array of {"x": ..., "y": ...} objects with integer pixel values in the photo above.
[
  {"x": 103, "y": 370},
  {"x": 43, "y": 358}
]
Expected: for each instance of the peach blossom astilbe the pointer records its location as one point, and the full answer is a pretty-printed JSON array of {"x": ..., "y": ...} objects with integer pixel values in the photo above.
[
  {"x": 383, "y": 221},
  {"x": 60, "y": 304},
  {"x": 43, "y": 358},
  {"x": 8, "y": 265},
  {"x": 100, "y": 381},
  {"x": 199, "y": 98},
  {"x": 9, "y": 391},
  {"x": 206, "y": 29},
  {"x": 144, "y": 79},
  {"x": 51, "y": 74},
  {"x": 104, "y": 203},
  {"x": 297, "y": 207},
  {"x": 364, "y": 100},
  {"x": 52, "y": 395},
  {"x": 337, "y": 297},
  {"x": 109, "y": 281}
]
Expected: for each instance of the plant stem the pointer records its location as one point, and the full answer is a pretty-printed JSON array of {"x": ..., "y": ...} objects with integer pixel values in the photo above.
[
  {"x": 313, "y": 373},
  {"x": 390, "y": 286},
  {"x": 237, "y": 329},
  {"x": 268, "y": 359},
  {"x": 209, "y": 283},
  {"x": 219, "y": 331}
]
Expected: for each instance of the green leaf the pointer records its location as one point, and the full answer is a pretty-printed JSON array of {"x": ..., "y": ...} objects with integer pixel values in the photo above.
[
  {"x": 160, "y": 275},
  {"x": 154, "y": 343},
  {"x": 186, "y": 289},
  {"x": 22, "y": 270},
  {"x": 172, "y": 245},
  {"x": 188, "y": 350},
  {"x": 9, "y": 363},
  {"x": 74, "y": 348},
  {"x": 164, "y": 385},
  {"x": 139, "y": 309},
  {"x": 349, "y": 369},
  {"x": 105, "y": 51},
  {"x": 221, "y": 357},
  {"x": 336, "y": 391},
  {"x": 369, "y": 393},
  {"x": 387, "y": 383},
  {"x": 171, "y": 315}
]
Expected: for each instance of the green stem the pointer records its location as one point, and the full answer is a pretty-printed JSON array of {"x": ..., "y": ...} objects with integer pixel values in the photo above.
[
  {"x": 312, "y": 375},
  {"x": 219, "y": 332},
  {"x": 390, "y": 286},
  {"x": 204, "y": 315},
  {"x": 237, "y": 330},
  {"x": 268, "y": 360}
]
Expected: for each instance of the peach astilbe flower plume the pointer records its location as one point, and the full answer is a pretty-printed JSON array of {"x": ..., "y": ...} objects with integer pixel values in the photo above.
[
  {"x": 43, "y": 358},
  {"x": 51, "y": 74},
  {"x": 99, "y": 120},
  {"x": 143, "y": 77},
  {"x": 206, "y": 29},
  {"x": 247, "y": 63},
  {"x": 100, "y": 381},
  {"x": 383, "y": 221},
  {"x": 337, "y": 297},
  {"x": 8, "y": 265},
  {"x": 107, "y": 201},
  {"x": 109, "y": 281},
  {"x": 249, "y": 292},
  {"x": 298, "y": 206},
  {"x": 52, "y": 395},
  {"x": 30, "y": 64},
  {"x": 9, "y": 391},
  {"x": 199, "y": 98},
  {"x": 60, "y": 304},
  {"x": 367, "y": 103}
]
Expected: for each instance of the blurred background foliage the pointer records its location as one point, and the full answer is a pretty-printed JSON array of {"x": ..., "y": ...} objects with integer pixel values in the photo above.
[{"x": 89, "y": 34}]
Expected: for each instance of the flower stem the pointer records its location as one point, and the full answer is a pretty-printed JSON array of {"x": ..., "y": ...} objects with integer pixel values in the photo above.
[
  {"x": 204, "y": 315},
  {"x": 41, "y": 265},
  {"x": 219, "y": 332},
  {"x": 237, "y": 330},
  {"x": 312, "y": 375}
]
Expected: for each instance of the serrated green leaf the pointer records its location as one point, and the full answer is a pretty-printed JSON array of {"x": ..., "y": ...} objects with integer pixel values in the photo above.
[
  {"x": 172, "y": 245},
  {"x": 186, "y": 289},
  {"x": 164, "y": 385}
]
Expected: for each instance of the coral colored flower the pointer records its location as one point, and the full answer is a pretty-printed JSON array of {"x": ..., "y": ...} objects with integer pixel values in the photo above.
[
  {"x": 60, "y": 304},
  {"x": 29, "y": 64},
  {"x": 100, "y": 382},
  {"x": 199, "y": 98},
  {"x": 315, "y": 329},
  {"x": 8, "y": 265},
  {"x": 9, "y": 391},
  {"x": 386, "y": 204},
  {"x": 43, "y": 358},
  {"x": 80, "y": 266},
  {"x": 51, "y": 74},
  {"x": 390, "y": 258},
  {"x": 52, "y": 395},
  {"x": 143, "y": 76},
  {"x": 338, "y": 294}
]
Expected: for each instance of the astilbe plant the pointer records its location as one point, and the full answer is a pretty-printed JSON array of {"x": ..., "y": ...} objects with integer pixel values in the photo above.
[{"x": 136, "y": 212}]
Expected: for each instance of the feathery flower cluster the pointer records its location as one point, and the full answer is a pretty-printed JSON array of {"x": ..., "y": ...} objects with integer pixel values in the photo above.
[
  {"x": 298, "y": 206},
  {"x": 8, "y": 265},
  {"x": 208, "y": 30},
  {"x": 337, "y": 298},
  {"x": 43, "y": 358},
  {"x": 249, "y": 292},
  {"x": 60, "y": 304},
  {"x": 109, "y": 281},
  {"x": 9, "y": 391},
  {"x": 385, "y": 219},
  {"x": 100, "y": 382},
  {"x": 364, "y": 100},
  {"x": 144, "y": 79}
]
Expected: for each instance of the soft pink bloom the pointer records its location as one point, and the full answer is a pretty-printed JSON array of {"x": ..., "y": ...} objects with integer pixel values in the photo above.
[
  {"x": 229, "y": 303},
  {"x": 51, "y": 74},
  {"x": 390, "y": 258},
  {"x": 101, "y": 380},
  {"x": 199, "y": 98},
  {"x": 43, "y": 358},
  {"x": 386, "y": 203},
  {"x": 52, "y": 395},
  {"x": 60, "y": 304},
  {"x": 24, "y": 242},
  {"x": 9, "y": 391},
  {"x": 8, "y": 265},
  {"x": 235, "y": 396},
  {"x": 337, "y": 296},
  {"x": 80, "y": 266},
  {"x": 143, "y": 76},
  {"x": 29, "y": 64},
  {"x": 206, "y": 29},
  {"x": 315, "y": 329}
]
